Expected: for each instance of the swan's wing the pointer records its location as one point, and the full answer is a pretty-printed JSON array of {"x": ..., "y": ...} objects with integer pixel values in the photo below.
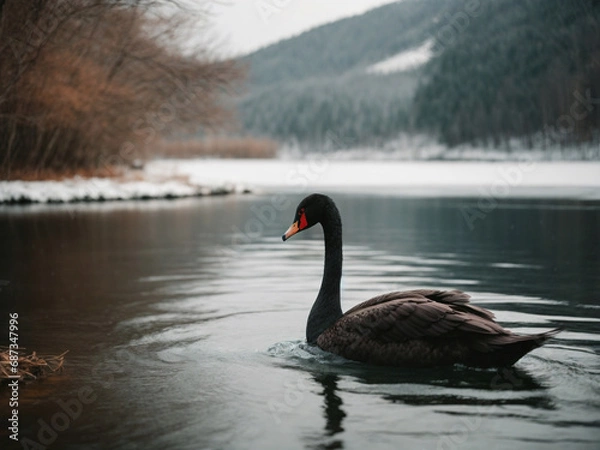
[
  {"x": 402, "y": 316},
  {"x": 458, "y": 300},
  {"x": 425, "y": 328}
]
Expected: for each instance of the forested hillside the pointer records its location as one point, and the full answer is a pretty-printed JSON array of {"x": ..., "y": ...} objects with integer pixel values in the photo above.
[
  {"x": 357, "y": 108},
  {"x": 304, "y": 87},
  {"x": 520, "y": 69},
  {"x": 355, "y": 42},
  {"x": 500, "y": 69}
]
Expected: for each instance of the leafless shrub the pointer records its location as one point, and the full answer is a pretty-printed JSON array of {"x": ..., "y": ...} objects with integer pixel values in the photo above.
[
  {"x": 220, "y": 147},
  {"x": 90, "y": 84}
]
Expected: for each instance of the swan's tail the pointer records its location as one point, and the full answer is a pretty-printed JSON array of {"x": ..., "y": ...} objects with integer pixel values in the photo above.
[{"x": 508, "y": 349}]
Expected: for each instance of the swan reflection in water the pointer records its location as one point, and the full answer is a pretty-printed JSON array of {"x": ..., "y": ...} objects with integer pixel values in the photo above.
[
  {"x": 532, "y": 394},
  {"x": 332, "y": 412}
]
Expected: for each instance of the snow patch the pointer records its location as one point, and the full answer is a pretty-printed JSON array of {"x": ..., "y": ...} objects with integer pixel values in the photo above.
[
  {"x": 190, "y": 178},
  {"x": 403, "y": 61},
  {"x": 454, "y": 178},
  {"x": 148, "y": 184}
]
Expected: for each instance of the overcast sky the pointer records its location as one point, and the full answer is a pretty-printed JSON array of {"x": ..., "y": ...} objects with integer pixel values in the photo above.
[{"x": 245, "y": 25}]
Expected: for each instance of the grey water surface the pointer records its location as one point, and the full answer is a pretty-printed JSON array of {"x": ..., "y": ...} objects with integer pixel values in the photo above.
[{"x": 185, "y": 319}]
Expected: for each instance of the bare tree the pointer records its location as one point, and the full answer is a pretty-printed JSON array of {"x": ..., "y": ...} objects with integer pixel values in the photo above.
[{"x": 87, "y": 84}]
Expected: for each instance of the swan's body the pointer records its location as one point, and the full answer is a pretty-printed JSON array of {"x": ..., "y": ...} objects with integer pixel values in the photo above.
[{"x": 411, "y": 329}]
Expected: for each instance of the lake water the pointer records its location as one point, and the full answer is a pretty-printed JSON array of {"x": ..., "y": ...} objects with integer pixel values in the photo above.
[{"x": 185, "y": 320}]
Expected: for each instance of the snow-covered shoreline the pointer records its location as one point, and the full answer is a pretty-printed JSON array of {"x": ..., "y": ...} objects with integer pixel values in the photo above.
[
  {"x": 136, "y": 185},
  {"x": 456, "y": 177},
  {"x": 191, "y": 178}
]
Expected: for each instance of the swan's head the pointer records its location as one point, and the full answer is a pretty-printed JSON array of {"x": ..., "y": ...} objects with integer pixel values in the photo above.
[{"x": 309, "y": 212}]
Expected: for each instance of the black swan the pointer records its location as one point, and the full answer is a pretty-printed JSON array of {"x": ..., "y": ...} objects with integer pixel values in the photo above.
[{"x": 419, "y": 328}]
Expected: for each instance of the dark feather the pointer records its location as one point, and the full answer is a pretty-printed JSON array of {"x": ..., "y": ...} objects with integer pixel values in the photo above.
[{"x": 425, "y": 328}]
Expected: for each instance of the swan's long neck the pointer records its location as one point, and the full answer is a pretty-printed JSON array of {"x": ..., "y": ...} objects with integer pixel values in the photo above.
[{"x": 327, "y": 309}]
